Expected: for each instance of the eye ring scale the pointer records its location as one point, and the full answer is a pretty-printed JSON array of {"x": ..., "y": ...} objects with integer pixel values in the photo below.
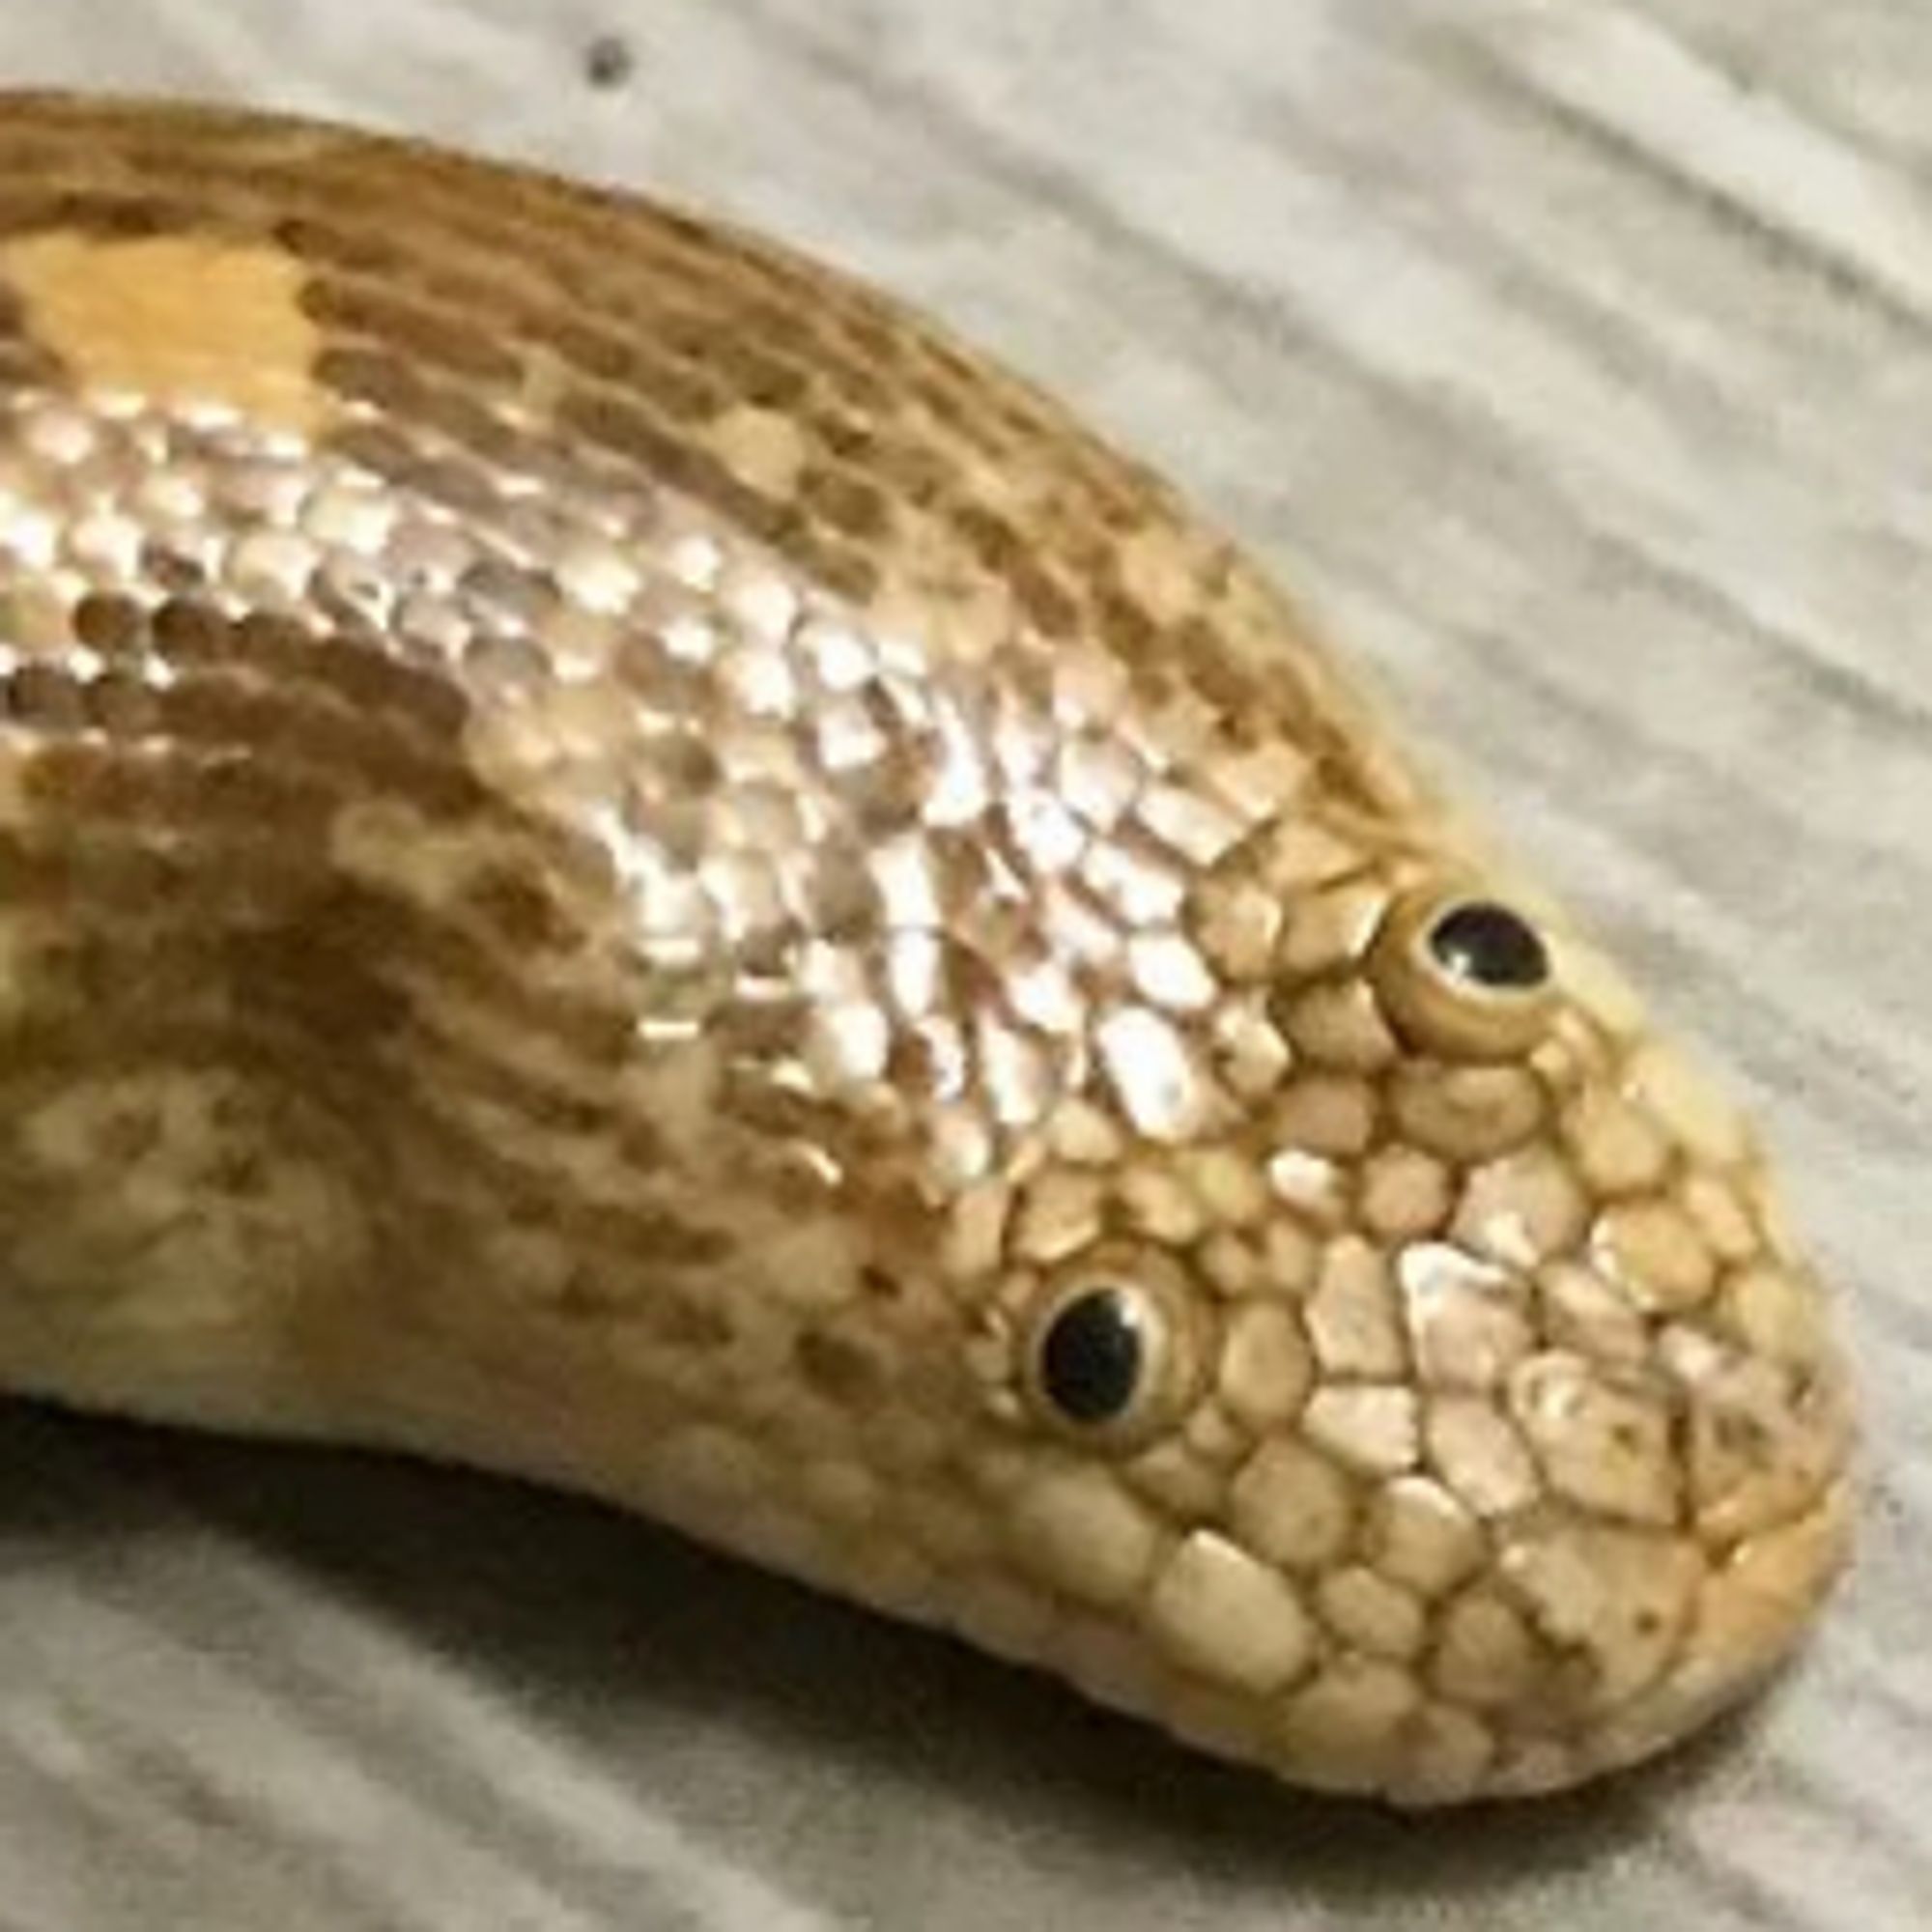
[
  {"x": 1108, "y": 1357},
  {"x": 1464, "y": 975}
]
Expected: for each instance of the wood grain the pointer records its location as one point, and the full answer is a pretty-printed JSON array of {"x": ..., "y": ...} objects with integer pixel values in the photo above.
[{"x": 1574, "y": 360}]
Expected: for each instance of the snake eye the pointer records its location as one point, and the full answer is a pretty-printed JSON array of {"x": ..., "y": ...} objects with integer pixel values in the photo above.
[
  {"x": 1466, "y": 977},
  {"x": 1488, "y": 946},
  {"x": 1092, "y": 1355},
  {"x": 1106, "y": 1360}
]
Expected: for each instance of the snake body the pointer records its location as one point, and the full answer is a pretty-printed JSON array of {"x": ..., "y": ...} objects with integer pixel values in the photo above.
[{"x": 620, "y": 863}]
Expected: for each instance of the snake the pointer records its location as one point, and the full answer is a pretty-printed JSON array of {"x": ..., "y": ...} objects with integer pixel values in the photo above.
[{"x": 622, "y": 864}]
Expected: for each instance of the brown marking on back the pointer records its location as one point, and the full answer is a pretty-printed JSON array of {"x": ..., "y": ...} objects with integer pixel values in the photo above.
[
  {"x": 325, "y": 713},
  {"x": 435, "y": 337}
]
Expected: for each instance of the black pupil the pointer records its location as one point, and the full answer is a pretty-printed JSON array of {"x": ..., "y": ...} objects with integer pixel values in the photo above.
[
  {"x": 1091, "y": 1364},
  {"x": 1490, "y": 946}
]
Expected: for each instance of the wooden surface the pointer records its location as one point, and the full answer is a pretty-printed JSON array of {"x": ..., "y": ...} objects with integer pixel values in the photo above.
[{"x": 1575, "y": 360}]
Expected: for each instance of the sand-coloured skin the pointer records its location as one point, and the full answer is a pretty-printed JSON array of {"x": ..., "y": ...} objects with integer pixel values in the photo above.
[{"x": 618, "y": 862}]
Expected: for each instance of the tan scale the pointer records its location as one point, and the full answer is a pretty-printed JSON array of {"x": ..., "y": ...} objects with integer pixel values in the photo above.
[
  {"x": 179, "y": 319},
  {"x": 621, "y": 863}
]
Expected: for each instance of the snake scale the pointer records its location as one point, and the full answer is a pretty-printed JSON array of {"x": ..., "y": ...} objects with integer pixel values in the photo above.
[{"x": 619, "y": 863}]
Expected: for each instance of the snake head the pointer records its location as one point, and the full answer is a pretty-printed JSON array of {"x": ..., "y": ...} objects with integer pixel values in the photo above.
[{"x": 1407, "y": 1379}]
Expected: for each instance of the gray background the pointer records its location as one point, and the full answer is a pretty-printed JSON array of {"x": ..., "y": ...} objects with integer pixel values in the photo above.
[{"x": 1575, "y": 362}]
